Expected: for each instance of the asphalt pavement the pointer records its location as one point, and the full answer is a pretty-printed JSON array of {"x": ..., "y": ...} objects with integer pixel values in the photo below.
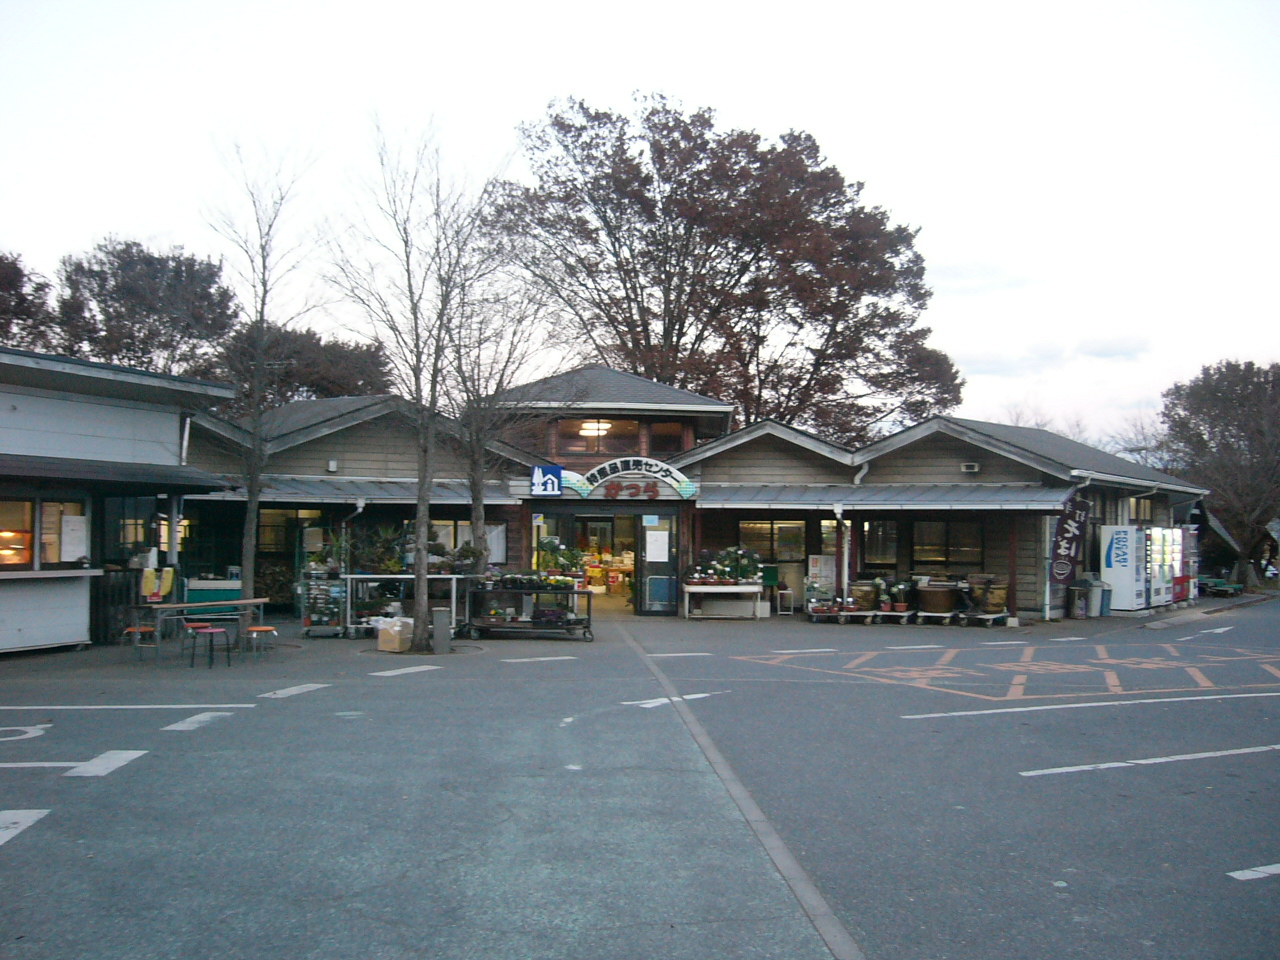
[{"x": 778, "y": 789}]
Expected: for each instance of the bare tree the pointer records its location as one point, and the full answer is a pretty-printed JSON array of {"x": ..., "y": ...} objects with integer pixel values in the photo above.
[
  {"x": 492, "y": 348},
  {"x": 1144, "y": 439},
  {"x": 407, "y": 263},
  {"x": 266, "y": 260}
]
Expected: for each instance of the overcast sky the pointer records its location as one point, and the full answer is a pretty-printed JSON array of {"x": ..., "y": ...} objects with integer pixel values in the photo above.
[{"x": 1096, "y": 184}]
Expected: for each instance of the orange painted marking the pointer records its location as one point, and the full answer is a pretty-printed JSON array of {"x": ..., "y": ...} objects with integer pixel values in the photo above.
[
  {"x": 1113, "y": 682},
  {"x": 1102, "y": 651},
  {"x": 856, "y": 661},
  {"x": 1270, "y": 669},
  {"x": 1027, "y": 654},
  {"x": 1017, "y": 688},
  {"x": 1171, "y": 649},
  {"x": 1199, "y": 677},
  {"x": 947, "y": 657}
]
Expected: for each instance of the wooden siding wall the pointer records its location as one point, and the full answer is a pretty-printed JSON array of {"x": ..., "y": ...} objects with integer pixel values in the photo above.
[
  {"x": 937, "y": 459},
  {"x": 209, "y": 452},
  {"x": 771, "y": 460}
]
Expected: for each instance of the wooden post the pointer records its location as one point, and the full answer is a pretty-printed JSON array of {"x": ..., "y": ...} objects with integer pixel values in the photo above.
[
  {"x": 840, "y": 558},
  {"x": 1013, "y": 566}
]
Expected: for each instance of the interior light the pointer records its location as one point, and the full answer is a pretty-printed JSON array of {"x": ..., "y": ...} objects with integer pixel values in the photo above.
[
  {"x": 7, "y": 533},
  {"x": 7, "y": 553},
  {"x": 594, "y": 428}
]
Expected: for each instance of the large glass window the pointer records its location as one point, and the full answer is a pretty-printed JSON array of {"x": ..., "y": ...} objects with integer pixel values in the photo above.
[
  {"x": 774, "y": 540},
  {"x": 16, "y": 533},
  {"x": 64, "y": 533},
  {"x": 941, "y": 542},
  {"x": 598, "y": 436},
  {"x": 880, "y": 543}
]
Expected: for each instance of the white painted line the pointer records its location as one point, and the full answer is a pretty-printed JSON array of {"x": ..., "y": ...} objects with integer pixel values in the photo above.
[
  {"x": 36, "y": 763},
  {"x": 918, "y": 646},
  {"x": 403, "y": 670},
  {"x": 104, "y": 763},
  {"x": 26, "y": 732},
  {"x": 814, "y": 650},
  {"x": 566, "y": 721},
  {"x": 196, "y": 722},
  {"x": 536, "y": 659},
  {"x": 662, "y": 701},
  {"x": 681, "y": 654},
  {"x": 13, "y": 822},
  {"x": 1218, "y": 630},
  {"x": 293, "y": 691},
  {"x": 1132, "y": 763},
  {"x": 1253, "y": 873},
  {"x": 144, "y": 706},
  {"x": 1082, "y": 706},
  {"x": 1065, "y": 639},
  {"x": 573, "y": 766},
  {"x": 1003, "y": 643}
]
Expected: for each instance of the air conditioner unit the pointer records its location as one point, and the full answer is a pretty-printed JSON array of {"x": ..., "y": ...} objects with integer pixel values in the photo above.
[{"x": 970, "y": 467}]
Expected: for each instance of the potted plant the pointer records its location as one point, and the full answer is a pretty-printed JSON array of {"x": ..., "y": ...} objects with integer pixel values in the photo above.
[{"x": 900, "y": 591}]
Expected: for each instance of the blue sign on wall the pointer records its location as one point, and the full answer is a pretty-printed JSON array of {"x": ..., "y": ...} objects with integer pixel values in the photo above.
[{"x": 547, "y": 481}]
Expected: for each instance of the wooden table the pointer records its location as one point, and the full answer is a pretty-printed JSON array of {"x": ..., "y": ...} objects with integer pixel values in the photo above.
[
  {"x": 177, "y": 611},
  {"x": 753, "y": 590}
]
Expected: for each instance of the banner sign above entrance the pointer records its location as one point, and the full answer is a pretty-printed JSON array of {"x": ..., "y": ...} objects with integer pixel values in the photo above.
[{"x": 552, "y": 481}]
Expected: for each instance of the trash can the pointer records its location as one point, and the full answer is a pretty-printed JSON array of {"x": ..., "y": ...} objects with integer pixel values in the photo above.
[
  {"x": 441, "y": 634},
  {"x": 1078, "y": 601},
  {"x": 1106, "y": 599},
  {"x": 1095, "y": 598}
]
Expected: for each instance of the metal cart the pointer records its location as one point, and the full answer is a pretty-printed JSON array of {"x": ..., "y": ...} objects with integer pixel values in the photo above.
[{"x": 525, "y": 610}]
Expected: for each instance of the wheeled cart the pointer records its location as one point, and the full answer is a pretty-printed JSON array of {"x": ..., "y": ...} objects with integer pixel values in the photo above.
[
  {"x": 986, "y": 619},
  {"x": 526, "y": 610}
]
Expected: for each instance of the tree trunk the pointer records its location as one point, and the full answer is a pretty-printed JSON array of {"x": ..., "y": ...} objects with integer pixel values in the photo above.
[
  {"x": 479, "y": 528},
  {"x": 422, "y": 535},
  {"x": 253, "y": 491}
]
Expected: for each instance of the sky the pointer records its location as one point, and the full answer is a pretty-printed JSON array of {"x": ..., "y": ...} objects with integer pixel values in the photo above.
[{"x": 1095, "y": 184}]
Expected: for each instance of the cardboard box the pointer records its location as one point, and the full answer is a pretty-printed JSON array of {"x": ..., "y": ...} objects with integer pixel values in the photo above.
[{"x": 394, "y": 636}]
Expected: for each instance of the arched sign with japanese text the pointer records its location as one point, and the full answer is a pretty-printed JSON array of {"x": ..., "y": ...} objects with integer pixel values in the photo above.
[{"x": 633, "y": 478}]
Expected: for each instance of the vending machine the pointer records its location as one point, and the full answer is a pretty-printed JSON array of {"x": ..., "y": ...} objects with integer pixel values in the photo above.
[
  {"x": 1124, "y": 566},
  {"x": 1159, "y": 568}
]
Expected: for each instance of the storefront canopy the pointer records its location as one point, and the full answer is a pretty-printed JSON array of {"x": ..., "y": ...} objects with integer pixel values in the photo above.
[
  {"x": 916, "y": 496},
  {"x": 284, "y": 489},
  {"x": 125, "y": 479}
]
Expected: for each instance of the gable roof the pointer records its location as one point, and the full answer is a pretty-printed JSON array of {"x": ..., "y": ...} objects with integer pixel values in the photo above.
[
  {"x": 596, "y": 386},
  {"x": 304, "y": 420},
  {"x": 1043, "y": 450},
  {"x": 87, "y": 377},
  {"x": 765, "y": 428}
]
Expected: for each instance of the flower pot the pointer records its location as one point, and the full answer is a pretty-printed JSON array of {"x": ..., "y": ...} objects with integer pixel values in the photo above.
[
  {"x": 885, "y": 606},
  {"x": 899, "y": 608}
]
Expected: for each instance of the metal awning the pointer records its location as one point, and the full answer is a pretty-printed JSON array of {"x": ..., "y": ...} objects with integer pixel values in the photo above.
[
  {"x": 285, "y": 489},
  {"x": 883, "y": 496},
  {"x": 109, "y": 476}
]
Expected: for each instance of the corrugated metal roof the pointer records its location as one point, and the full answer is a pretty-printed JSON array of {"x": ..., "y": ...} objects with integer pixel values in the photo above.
[
  {"x": 299, "y": 414},
  {"x": 132, "y": 478},
  {"x": 885, "y": 496},
  {"x": 282, "y": 489}
]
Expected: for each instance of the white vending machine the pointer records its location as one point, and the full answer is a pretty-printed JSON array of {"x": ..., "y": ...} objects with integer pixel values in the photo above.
[
  {"x": 1164, "y": 562},
  {"x": 1124, "y": 566}
]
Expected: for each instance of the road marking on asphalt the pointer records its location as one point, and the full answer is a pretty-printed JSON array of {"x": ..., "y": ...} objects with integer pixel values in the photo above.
[
  {"x": 143, "y": 706},
  {"x": 196, "y": 722},
  {"x": 401, "y": 671},
  {"x": 1003, "y": 643},
  {"x": 1085, "y": 767},
  {"x": 27, "y": 733},
  {"x": 1253, "y": 873},
  {"x": 682, "y": 654},
  {"x": 573, "y": 766},
  {"x": 918, "y": 646},
  {"x": 99, "y": 766},
  {"x": 1065, "y": 639},
  {"x": 293, "y": 691},
  {"x": 1081, "y": 706},
  {"x": 566, "y": 721},
  {"x": 13, "y": 822},
  {"x": 812, "y": 650},
  {"x": 536, "y": 659},
  {"x": 662, "y": 701},
  {"x": 1218, "y": 630}
]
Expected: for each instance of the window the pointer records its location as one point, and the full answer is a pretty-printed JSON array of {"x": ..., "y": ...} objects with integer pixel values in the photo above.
[
  {"x": 1139, "y": 510},
  {"x": 774, "y": 540},
  {"x": 940, "y": 542},
  {"x": 666, "y": 438},
  {"x": 64, "y": 533},
  {"x": 454, "y": 533},
  {"x": 880, "y": 543},
  {"x": 598, "y": 436},
  {"x": 15, "y": 534},
  {"x": 273, "y": 531},
  {"x": 828, "y": 538}
]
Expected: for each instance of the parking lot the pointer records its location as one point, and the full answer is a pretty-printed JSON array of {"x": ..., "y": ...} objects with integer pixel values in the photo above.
[{"x": 775, "y": 789}]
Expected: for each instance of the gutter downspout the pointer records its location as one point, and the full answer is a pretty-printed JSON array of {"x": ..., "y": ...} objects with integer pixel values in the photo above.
[
  {"x": 862, "y": 472},
  {"x": 360, "y": 502},
  {"x": 186, "y": 439}
]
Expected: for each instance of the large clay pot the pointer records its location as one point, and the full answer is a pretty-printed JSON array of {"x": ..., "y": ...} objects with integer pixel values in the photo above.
[{"x": 937, "y": 597}]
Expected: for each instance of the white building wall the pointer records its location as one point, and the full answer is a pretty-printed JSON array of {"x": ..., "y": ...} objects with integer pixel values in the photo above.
[{"x": 44, "y": 424}]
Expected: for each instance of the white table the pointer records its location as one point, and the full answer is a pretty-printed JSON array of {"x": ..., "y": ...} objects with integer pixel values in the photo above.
[{"x": 751, "y": 591}]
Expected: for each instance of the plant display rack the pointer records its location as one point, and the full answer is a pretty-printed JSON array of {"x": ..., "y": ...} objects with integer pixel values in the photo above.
[{"x": 528, "y": 610}]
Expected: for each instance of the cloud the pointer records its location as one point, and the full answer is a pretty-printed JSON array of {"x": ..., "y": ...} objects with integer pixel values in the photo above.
[
  {"x": 971, "y": 279},
  {"x": 1119, "y": 348}
]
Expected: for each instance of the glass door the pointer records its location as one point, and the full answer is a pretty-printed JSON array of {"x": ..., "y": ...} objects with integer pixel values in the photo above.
[{"x": 657, "y": 575}]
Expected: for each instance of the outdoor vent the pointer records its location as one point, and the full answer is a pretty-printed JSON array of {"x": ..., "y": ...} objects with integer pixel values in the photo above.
[
  {"x": 970, "y": 467},
  {"x": 332, "y": 466}
]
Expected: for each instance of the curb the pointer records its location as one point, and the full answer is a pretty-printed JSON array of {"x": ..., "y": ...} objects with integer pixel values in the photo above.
[{"x": 1246, "y": 602}]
